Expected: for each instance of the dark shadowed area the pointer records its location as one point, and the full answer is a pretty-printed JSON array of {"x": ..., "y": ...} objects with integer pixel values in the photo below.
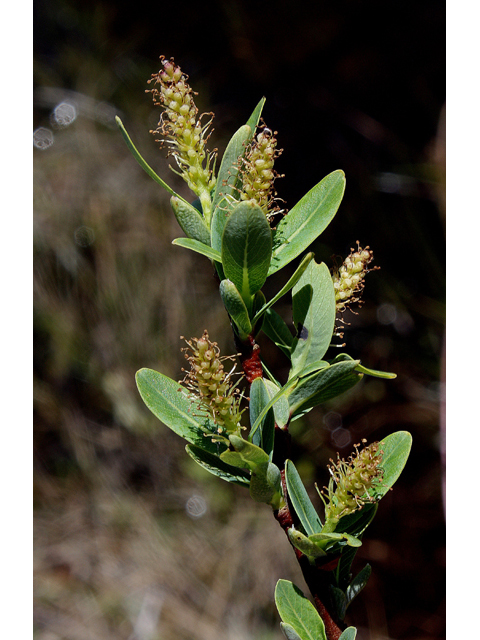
[{"x": 133, "y": 541}]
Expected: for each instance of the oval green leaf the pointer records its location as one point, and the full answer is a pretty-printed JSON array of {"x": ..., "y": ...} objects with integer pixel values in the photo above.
[
  {"x": 313, "y": 305},
  {"x": 259, "y": 397},
  {"x": 247, "y": 249},
  {"x": 298, "y": 612},
  {"x": 396, "y": 449},
  {"x": 236, "y": 308},
  {"x": 250, "y": 453},
  {"x": 307, "y": 220},
  {"x": 309, "y": 518},
  {"x": 275, "y": 328},
  {"x": 281, "y": 409},
  {"x": 323, "y": 385},
  {"x": 190, "y": 220},
  {"x": 173, "y": 406},
  {"x": 358, "y": 583},
  {"x": 227, "y": 184},
  {"x": 214, "y": 465},
  {"x": 290, "y": 284}
]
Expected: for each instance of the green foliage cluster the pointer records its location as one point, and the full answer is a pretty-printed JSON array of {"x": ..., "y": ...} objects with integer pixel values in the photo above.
[{"x": 236, "y": 236}]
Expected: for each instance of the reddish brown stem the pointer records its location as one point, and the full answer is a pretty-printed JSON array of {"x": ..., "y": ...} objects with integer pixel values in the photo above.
[{"x": 316, "y": 577}]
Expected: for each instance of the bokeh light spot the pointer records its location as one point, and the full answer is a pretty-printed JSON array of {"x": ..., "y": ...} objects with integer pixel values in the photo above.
[
  {"x": 64, "y": 114},
  {"x": 42, "y": 138},
  {"x": 341, "y": 437},
  {"x": 196, "y": 506},
  {"x": 332, "y": 420}
]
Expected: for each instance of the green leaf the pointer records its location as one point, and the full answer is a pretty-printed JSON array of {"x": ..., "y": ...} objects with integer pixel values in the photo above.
[
  {"x": 254, "y": 119},
  {"x": 191, "y": 222},
  {"x": 327, "y": 538},
  {"x": 259, "y": 397},
  {"x": 173, "y": 406},
  {"x": 361, "y": 369},
  {"x": 236, "y": 308},
  {"x": 281, "y": 393},
  {"x": 289, "y": 632},
  {"x": 298, "y": 612},
  {"x": 339, "y": 601},
  {"x": 246, "y": 454},
  {"x": 227, "y": 184},
  {"x": 312, "y": 368},
  {"x": 247, "y": 249},
  {"x": 265, "y": 484},
  {"x": 307, "y": 220},
  {"x": 281, "y": 409},
  {"x": 323, "y": 385},
  {"x": 304, "y": 544},
  {"x": 358, "y": 583},
  {"x": 198, "y": 247},
  {"x": 214, "y": 465},
  {"x": 376, "y": 374},
  {"x": 290, "y": 284},
  {"x": 145, "y": 166},
  {"x": 354, "y": 524},
  {"x": 275, "y": 328},
  {"x": 396, "y": 449},
  {"x": 313, "y": 305},
  {"x": 309, "y": 518},
  {"x": 350, "y": 633}
]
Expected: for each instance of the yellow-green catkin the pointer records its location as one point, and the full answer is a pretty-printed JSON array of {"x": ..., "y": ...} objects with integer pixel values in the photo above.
[
  {"x": 351, "y": 483},
  {"x": 348, "y": 280},
  {"x": 182, "y": 130},
  {"x": 258, "y": 174},
  {"x": 212, "y": 386}
]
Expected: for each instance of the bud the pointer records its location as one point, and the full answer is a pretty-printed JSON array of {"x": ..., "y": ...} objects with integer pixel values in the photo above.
[
  {"x": 348, "y": 281},
  {"x": 351, "y": 483},
  {"x": 212, "y": 386},
  {"x": 183, "y": 131}
]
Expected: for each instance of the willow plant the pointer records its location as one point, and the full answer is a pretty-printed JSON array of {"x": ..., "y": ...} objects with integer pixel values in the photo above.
[{"x": 237, "y": 427}]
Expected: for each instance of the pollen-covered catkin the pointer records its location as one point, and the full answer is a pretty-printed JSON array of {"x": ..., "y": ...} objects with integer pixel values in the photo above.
[
  {"x": 211, "y": 385},
  {"x": 182, "y": 130},
  {"x": 348, "y": 280},
  {"x": 352, "y": 481},
  {"x": 258, "y": 174}
]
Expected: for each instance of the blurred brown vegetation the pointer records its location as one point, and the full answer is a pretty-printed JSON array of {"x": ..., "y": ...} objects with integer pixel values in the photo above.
[{"x": 132, "y": 540}]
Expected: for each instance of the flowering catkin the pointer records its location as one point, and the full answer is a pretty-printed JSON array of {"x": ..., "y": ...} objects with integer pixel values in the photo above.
[
  {"x": 348, "y": 281},
  {"x": 351, "y": 482},
  {"x": 211, "y": 385},
  {"x": 258, "y": 174},
  {"x": 183, "y": 131}
]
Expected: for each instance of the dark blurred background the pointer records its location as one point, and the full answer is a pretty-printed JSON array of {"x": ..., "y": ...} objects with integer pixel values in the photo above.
[{"x": 132, "y": 540}]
